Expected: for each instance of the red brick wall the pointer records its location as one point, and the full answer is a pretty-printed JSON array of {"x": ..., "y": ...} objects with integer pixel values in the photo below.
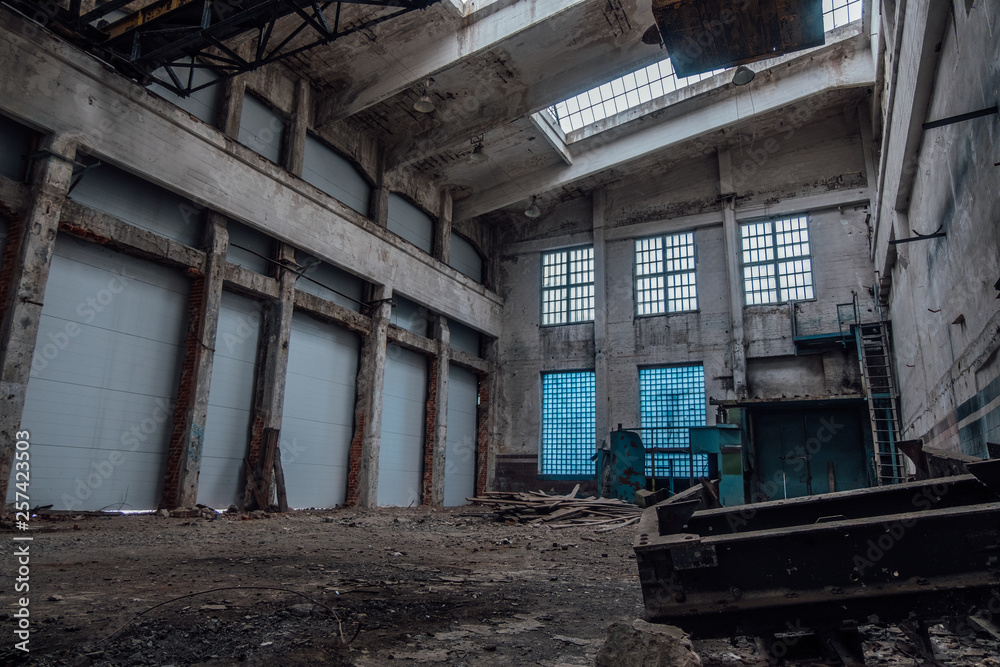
[
  {"x": 15, "y": 228},
  {"x": 185, "y": 392},
  {"x": 354, "y": 461},
  {"x": 429, "y": 431},
  {"x": 482, "y": 434}
]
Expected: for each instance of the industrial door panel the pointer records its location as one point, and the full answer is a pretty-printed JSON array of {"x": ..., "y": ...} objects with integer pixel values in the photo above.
[
  {"x": 401, "y": 454},
  {"x": 99, "y": 404},
  {"x": 230, "y": 402},
  {"x": 799, "y": 453},
  {"x": 318, "y": 418},
  {"x": 460, "y": 454}
]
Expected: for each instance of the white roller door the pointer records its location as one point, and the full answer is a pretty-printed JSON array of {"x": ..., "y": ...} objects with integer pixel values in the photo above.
[
  {"x": 335, "y": 175},
  {"x": 99, "y": 405},
  {"x": 401, "y": 454},
  {"x": 410, "y": 222},
  {"x": 318, "y": 419},
  {"x": 262, "y": 129},
  {"x": 465, "y": 258},
  {"x": 460, "y": 453},
  {"x": 230, "y": 402}
]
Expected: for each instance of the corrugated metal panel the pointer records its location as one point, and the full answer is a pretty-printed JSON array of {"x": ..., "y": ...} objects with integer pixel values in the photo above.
[
  {"x": 335, "y": 175},
  {"x": 409, "y": 315},
  {"x": 15, "y": 145},
  {"x": 246, "y": 247},
  {"x": 465, "y": 258},
  {"x": 100, "y": 401},
  {"x": 334, "y": 285},
  {"x": 404, "y": 404},
  {"x": 203, "y": 104},
  {"x": 464, "y": 338},
  {"x": 262, "y": 129},
  {"x": 411, "y": 223},
  {"x": 230, "y": 402},
  {"x": 318, "y": 419},
  {"x": 460, "y": 453},
  {"x": 140, "y": 203}
]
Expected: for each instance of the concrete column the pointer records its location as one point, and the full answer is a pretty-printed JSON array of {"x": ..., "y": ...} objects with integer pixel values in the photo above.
[
  {"x": 378, "y": 209},
  {"x": 442, "y": 231},
  {"x": 732, "y": 231},
  {"x": 207, "y": 301},
  {"x": 437, "y": 445},
  {"x": 233, "y": 91},
  {"x": 487, "y": 436},
  {"x": 362, "y": 486},
  {"x": 296, "y": 148},
  {"x": 273, "y": 365},
  {"x": 601, "y": 371},
  {"x": 24, "y": 291}
]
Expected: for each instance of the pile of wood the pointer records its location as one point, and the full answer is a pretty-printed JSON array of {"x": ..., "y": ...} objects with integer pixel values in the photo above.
[{"x": 561, "y": 511}]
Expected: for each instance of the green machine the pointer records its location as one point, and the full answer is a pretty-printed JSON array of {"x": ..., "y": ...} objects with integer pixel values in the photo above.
[{"x": 723, "y": 443}]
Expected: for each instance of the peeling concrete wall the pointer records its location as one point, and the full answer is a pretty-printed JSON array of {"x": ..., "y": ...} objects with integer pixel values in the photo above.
[
  {"x": 943, "y": 303},
  {"x": 830, "y": 185}
]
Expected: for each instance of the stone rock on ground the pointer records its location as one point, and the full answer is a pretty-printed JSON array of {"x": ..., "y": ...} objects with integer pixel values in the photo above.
[{"x": 642, "y": 644}]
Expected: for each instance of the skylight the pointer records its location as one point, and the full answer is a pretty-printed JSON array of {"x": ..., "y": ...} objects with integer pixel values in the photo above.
[{"x": 658, "y": 79}]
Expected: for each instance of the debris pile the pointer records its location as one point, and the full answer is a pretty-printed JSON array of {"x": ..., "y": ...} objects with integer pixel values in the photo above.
[{"x": 561, "y": 511}]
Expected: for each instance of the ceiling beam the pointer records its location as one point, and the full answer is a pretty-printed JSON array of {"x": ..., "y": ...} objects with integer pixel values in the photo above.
[
  {"x": 824, "y": 70},
  {"x": 427, "y": 57}
]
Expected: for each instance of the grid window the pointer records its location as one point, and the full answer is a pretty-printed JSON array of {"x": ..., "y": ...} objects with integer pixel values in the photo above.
[
  {"x": 568, "y": 286},
  {"x": 569, "y": 423},
  {"x": 665, "y": 275},
  {"x": 840, "y": 12},
  {"x": 622, "y": 94},
  {"x": 671, "y": 399},
  {"x": 777, "y": 264}
]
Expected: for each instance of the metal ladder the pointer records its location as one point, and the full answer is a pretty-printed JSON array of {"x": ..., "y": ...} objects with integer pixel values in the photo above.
[{"x": 875, "y": 355}]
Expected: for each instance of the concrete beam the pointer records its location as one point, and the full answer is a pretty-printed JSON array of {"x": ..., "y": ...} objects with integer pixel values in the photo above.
[
  {"x": 70, "y": 92},
  {"x": 552, "y": 135},
  {"x": 425, "y": 58},
  {"x": 828, "y": 69}
]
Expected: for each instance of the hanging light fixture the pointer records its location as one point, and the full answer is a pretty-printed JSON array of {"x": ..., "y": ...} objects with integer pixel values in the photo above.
[
  {"x": 743, "y": 75},
  {"x": 533, "y": 211},
  {"x": 478, "y": 154},
  {"x": 424, "y": 104}
]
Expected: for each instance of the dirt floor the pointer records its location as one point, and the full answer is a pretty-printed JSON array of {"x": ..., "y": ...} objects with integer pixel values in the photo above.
[{"x": 379, "y": 587}]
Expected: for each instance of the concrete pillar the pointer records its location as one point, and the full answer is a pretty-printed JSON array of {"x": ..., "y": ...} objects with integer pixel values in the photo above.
[
  {"x": 378, "y": 209},
  {"x": 734, "y": 275},
  {"x": 24, "y": 290},
  {"x": 273, "y": 366},
  {"x": 442, "y": 231},
  {"x": 487, "y": 436},
  {"x": 206, "y": 299},
  {"x": 296, "y": 140},
  {"x": 601, "y": 371},
  {"x": 436, "y": 446},
  {"x": 362, "y": 481}
]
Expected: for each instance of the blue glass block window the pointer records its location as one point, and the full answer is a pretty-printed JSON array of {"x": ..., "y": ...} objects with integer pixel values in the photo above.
[
  {"x": 569, "y": 423},
  {"x": 671, "y": 399}
]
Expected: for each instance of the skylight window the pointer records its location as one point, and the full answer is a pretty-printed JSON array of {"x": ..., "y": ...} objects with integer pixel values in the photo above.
[
  {"x": 622, "y": 94},
  {"x": 840, "y": 12},
  {"x": 659, "y": 79}
]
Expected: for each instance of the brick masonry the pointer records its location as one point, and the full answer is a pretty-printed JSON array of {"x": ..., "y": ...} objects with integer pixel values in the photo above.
[{"x": 430, "y": 422}]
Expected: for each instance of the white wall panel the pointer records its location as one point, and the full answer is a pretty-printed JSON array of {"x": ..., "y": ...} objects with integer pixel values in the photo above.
[
  {"x": 335, "y": 175},
  {"x": 465, "y": 259},
  {"x": 99, "y": 404},
  {"x": 139, "y": 202},
  {"x": 460, "y": 452},
  {"x": 409, "y": 315},
  {"x": 411, "y": 223},
  {"x": 262, "y": 129},
  {"x": 318, "y": 419},
  {"x": 404, "y": 404},
  {"x": 464, "y": 338},
  {"x": 249, "y": 248},
  {"x": 230, "y": 402},
  {"x": 202, "y": 104},
  {"x": 330, "y": 283},
  {"x": 15, "y": 145}
]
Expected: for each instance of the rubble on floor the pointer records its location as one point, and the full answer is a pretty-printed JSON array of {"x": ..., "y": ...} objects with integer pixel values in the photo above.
[{"x": 557, "y": 512}]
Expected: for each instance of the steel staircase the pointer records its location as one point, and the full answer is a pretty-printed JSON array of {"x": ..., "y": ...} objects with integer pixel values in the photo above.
[{"x": 875, "y": 355}]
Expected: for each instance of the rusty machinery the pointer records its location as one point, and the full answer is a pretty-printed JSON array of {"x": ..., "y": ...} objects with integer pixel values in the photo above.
[{"x": 907, "y": 553}]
